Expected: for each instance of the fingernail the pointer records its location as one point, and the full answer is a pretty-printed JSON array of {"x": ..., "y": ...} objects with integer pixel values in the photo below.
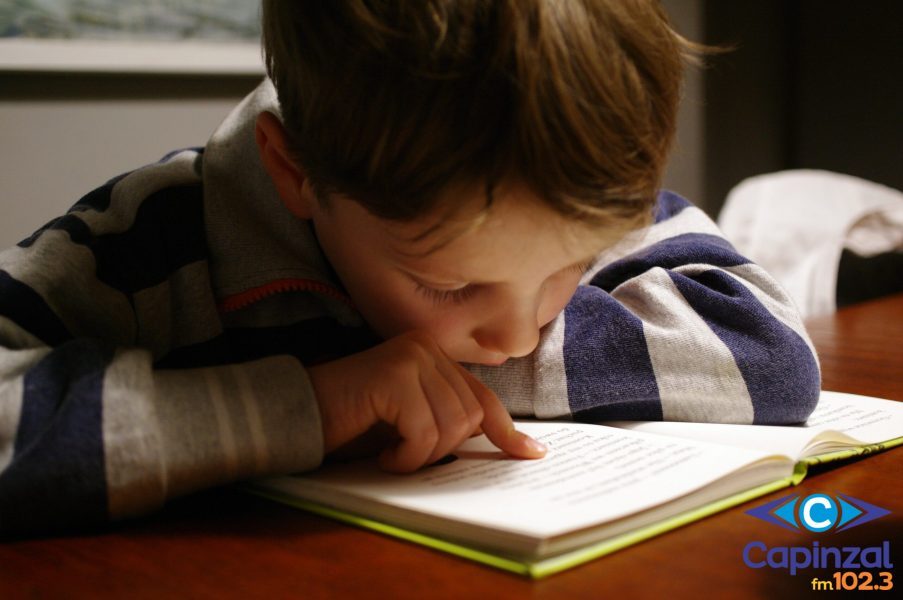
[{"x": 536, "y": 445}]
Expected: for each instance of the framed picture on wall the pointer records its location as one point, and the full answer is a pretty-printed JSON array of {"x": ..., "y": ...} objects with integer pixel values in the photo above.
[{"x": 133, "y": 36}]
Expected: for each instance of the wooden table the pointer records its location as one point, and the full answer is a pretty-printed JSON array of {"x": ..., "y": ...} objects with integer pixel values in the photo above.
[{"x": 224, "y": 544}]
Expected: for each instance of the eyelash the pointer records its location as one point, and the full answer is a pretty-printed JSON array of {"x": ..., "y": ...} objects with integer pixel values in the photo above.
[
  {"x": 583, "y": 267},
  {"x": 461, "y": 294},
  {"x": 442, "y": 296}
]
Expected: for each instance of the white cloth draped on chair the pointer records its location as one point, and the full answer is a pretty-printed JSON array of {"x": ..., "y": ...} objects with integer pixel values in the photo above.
[{"x": 796, "y": 224}]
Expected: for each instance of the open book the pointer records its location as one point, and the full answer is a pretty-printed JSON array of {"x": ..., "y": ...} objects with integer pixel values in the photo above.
[{"x": 600, "y": 487}]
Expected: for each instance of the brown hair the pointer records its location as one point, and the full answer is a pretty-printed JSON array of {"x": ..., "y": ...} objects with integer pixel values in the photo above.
[{"x": 394, "y": 102}]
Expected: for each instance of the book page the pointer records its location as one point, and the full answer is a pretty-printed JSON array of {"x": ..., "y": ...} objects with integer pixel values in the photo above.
[
  {"x": 847, "y": 419},
  {"x": 591, "y": 474}
]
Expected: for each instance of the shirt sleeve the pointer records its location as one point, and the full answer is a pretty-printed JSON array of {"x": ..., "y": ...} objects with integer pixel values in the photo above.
[
  {"x": 90, "y": 428},
  {"x": 670, "y": 324}
]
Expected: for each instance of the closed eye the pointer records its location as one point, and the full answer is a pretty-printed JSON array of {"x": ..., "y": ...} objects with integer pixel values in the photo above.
[
  {"x": 582, "y": 267},
  {"x": 455, "y": 296}
]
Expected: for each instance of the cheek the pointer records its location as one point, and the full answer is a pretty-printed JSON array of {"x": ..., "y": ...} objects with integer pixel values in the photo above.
[
  {"x": 447, "y": 325},
  {"x": 389, "y": 311},
  {"x": 395, "y": 309},
  {"x": 556, "y": 299}
]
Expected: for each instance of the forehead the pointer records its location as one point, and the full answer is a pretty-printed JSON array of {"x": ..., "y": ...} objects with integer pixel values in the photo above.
[{"x": 473, "y": 242}]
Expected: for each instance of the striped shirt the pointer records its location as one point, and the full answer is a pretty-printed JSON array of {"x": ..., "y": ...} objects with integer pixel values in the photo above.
[{"x": 152, "y": 340}]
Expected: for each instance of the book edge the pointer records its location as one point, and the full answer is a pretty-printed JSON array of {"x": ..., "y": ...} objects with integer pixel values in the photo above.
[
  {"x": 540, "y": 568},
  {"x": 863, "y": 450}
]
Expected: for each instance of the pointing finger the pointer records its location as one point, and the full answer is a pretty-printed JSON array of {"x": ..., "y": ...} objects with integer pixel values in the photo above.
[{"x": 498, "y": 426}]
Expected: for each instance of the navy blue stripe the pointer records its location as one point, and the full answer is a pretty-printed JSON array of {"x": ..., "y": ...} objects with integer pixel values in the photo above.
[
  {"x": 34, "y": 236},
  {"x": 689, "y": 248},
  {"x": 25, "y": 307},
  {"x": 98, "y": 199},
  {"x": 167, "y": 234},
  {"x": 169, "y": 155},
  {"x": 76, "y": 228},
  {"x": 780, "y": 371},
  {"x": 609, "y": 372},
  {"x": 69, "y": 223},
  {"x": 57, "y": 475},
  {"x": 669, "y": 204}
]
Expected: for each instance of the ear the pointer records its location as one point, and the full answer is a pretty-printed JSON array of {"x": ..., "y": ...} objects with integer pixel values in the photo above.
[{"x": 290, "y": 181}]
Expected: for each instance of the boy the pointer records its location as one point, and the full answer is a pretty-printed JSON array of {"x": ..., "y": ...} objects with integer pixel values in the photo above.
[{"x": 440, "y": 184}]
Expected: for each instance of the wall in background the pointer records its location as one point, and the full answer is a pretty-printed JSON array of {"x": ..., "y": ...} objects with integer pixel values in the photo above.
[
  {"x": 686, "y": 170},
  {"x": 64, "y": 135},
  {"x": 811, "y": 84}
]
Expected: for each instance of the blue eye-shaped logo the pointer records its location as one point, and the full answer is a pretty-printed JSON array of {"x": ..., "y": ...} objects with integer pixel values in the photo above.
[{"x": 818, "y": 512}]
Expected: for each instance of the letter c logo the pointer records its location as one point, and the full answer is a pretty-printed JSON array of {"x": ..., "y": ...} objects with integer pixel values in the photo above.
[{"x": 818, "y": 512}]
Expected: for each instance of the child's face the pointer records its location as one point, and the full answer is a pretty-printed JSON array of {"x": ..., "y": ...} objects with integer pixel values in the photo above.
[{"x": 484, "y": 296}]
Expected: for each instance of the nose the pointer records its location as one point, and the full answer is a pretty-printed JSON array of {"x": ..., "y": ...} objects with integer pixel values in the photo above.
[{"x": 513, "y": 331}]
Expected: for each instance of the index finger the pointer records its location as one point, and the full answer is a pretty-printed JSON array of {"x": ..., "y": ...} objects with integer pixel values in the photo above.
[{"x": 497, "y": 423}]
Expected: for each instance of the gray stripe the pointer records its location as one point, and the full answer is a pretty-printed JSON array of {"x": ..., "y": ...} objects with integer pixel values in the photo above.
[
  {"x": 133, "y": 452},
  {"x": 14, "y": 337},
  {"x": 689, "y": 220},
  {"x": 257, "y": 435},
  {"x": 511, "y": 382},
  {"x": 63, "y": 273},
  {"x": 190, "y": 437},
  {"x": 13, "y": 365},
  {"x": 225, "y": 423},
  {"x": 551, "y": 396},
  {"x": 131, "y": 191},
  {"x": 773, "y": 297},
  {"x": 178, "y": 312},
  {"x": 289, "y": 436},
  {"x": 679, "y": 341},
  {"x": 224, "y": 430},
  {"x": 533, "y": 385}
]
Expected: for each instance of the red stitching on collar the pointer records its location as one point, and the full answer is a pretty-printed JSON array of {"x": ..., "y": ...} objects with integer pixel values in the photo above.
[{"x": 248, "y": 297}]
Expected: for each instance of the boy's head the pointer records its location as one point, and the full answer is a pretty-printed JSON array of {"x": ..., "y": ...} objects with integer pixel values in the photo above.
[
  {"x": 461, "y": 159},
  {"x": 393, "y": 102}
]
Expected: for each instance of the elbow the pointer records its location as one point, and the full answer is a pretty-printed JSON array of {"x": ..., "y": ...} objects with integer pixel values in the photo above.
[{"x": 785, "y": 388}]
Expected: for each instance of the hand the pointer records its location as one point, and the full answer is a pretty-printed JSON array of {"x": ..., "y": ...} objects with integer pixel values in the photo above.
[{"x": 431, "y": 402}]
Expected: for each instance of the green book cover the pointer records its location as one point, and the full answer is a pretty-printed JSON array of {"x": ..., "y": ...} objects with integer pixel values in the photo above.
[{"x": 600, "y": 489}]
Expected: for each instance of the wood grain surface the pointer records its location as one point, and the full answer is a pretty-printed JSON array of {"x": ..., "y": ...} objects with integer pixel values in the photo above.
[{"x": 225, "y": 544}]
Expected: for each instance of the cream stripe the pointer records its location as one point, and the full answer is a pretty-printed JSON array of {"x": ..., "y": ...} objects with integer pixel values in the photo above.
[
  {"x": 178, "y": 311},
  {"x": 130, "y": 192},
  {"x": 772, "y": 296},
  {"x": 63, "y": 274},
  {"x": 10, "y": 413},
  {"x": 689, "y": 220},
  {"x": 13, "y": 366},
  {"x": 224, "y": 427},
  {"x": 551, "y": 396},
  {"x": 133, "y": 449},
  {"x": 254, "y": 422},
  {"x": 512, "y": 382},
  {"x": 14, "y": 336},
  {"x": 764, "y": 288},
  {"x": 679, "y": 341}
]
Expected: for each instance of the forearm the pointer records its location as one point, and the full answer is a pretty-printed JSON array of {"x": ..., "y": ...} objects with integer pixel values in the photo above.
[
  {"x": 671, "y": 324},
  {"x": 97, "y": 434}
]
